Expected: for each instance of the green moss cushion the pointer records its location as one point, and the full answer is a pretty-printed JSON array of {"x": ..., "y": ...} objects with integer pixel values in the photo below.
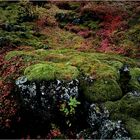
[
  {"x": 102, "y": 90},
  {"x": 127, "y": 109},
  {"x": 135, "y": 73},
  {"x": 51, "y": 71}
]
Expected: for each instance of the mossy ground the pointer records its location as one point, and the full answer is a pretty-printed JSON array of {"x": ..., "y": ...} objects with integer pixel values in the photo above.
[
  {"x": 43, "y": 51},
  {"x": 102, "y": 68}
]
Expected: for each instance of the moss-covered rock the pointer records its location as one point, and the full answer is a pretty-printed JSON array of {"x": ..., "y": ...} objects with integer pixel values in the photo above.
[
  {"x": 129, "y": 106},
  {"x": 102, "y": 90},
  {"x": 134, "y": 83},
  {"x": 115, "y": 64},
  {"x": 133, "y": 126},
  {"x": 102, "y": 68},
  {"x": 63, "y": 64},
  {"x": 128, "y": 110},
  {"x": 105, "y": 86},
  {"x": 51, "y": 71}
]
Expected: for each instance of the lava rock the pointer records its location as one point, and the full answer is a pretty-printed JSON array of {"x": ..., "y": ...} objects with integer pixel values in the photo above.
[
  {"x": 139, "y": 79},
  {"x": 8, "y": 27},
  {"x": 43, "y": 97},
  {"x": 125, "y": 77},
  {"x": 60, "y": 17},
  {"x": 87, "y": 134},
  {"x": 4, "y": 41},
  {"x": 101, "y": 127},
  {"x": 77, "y": 21},
  {"x": 96, "y": 116},
  {"x": 115, "y": 130},
  {"x": 134, "y": 93}
]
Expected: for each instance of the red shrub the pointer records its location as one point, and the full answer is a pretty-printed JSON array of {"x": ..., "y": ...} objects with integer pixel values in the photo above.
[{"x": 8, "y": 104}]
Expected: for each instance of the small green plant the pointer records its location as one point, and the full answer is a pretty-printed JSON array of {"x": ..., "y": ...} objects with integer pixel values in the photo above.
[
  {"x": 73, "y": 104},
  {"x": 69, "y": 109},
  {"x": 64, "y": 109}
]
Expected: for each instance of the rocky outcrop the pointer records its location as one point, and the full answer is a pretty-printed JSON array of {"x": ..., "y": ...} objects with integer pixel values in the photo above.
[
  {"x": 44, "y": 97},
  {"x": 101, "y": 127}
]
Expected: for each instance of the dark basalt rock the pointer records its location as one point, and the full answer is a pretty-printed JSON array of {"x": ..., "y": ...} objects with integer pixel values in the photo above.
[
  {"x": 139, "y": 79},
  {"x": 43, "y": 97},
  {"x": 77, "y": 21},
  {"x": 134, "y": 93},
  {"x": 86, "y": 16},
  {"x": 101, "y": 127},
  {"x": 124, "y": 71},
  {"x": 69, "y": 18},
  {"x": 8, "y": 27},
  {"x": 125, "y": 78},
  {"x": 12, "y": 27},
  {"x": 42, "y": 101},
  {"x": 96, "y": 116},
  {"x": 113, "y": 130},
  {"x": 4, "y": 41}
]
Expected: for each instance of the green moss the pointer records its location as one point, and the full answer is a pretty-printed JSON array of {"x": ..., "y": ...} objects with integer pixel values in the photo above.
[
  {"x": 97, "y": 65},
  {"x": 133, "y": 126},
  {"x": 74, "y": 5},
  {"x": 10, "y": 14},
  {"x": 128, "y": 106},
  {"x": 104, "y": 61},
  {"x": 40, "y": 55},
  {"x": 92, "y": 24},
  {"x": 135, "y": 73},
  {"x": 16, "y": 18},
  {"x": 51, "y": 71},
  {"x": 134, "y": 33},
  {"x": 23, "y": 54},
  {"x": 104, "y": 71},
  {"x": 58, "y": 38},
  {"x": 102, "y": 90},
  {"x": 113, "y": 57},
  {"x": 99, "y": 70},
  {"x": 77, "y": 60},
  {"x": 115, "y": 64},
  {"x": 126, "y": 109}
]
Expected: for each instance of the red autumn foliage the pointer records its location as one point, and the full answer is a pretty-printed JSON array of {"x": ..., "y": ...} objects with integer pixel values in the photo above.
[
  {"x": 104, "y": 45},
  {"x": 8, "y": 104},
  {"x": 11, "y": 67},
  {"x": 112, "y": 17},
  {"x": 41, "y": 22},
  {"x": 85, "y": 33},
  {"x": 54, "y": 133},
  {"x": 111, "y": 23}
]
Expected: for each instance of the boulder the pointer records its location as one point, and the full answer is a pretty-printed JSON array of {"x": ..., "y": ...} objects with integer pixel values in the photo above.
[{"x": 127, "y": 109}]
